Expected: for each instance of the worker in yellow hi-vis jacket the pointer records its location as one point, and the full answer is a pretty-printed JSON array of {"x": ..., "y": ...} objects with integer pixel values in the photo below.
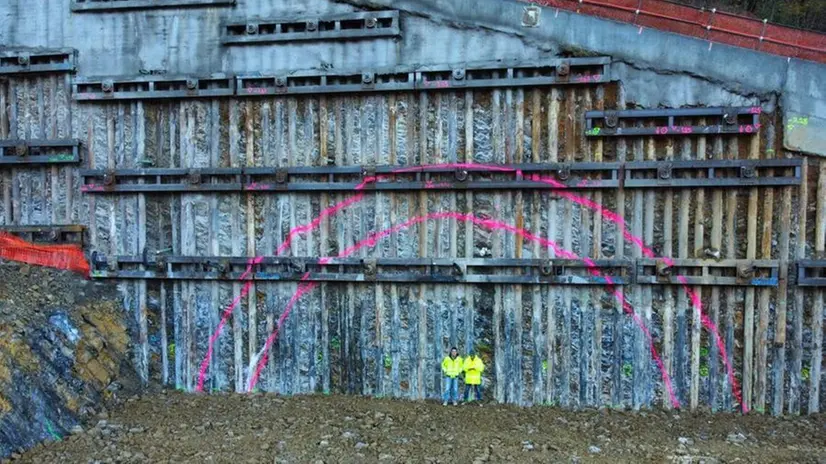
[
  {"x": 473, "y": 367},
  {"x": 452, "y": 366}
]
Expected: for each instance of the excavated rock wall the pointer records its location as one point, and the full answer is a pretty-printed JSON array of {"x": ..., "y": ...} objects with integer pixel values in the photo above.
[{"x": 64, "y": 350}]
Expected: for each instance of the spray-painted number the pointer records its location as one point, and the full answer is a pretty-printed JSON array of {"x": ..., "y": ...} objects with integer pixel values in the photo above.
[
  {"x": 749, "y": 129},
  {"x": 673, "y": 129},
  {"x": 756, "y": 110},
  {"x": 594, "y": 131},
  {"x": 256, "y": 90},
  {"x": 588, "y": 78},
  {"x": 437, "y": 84},
  {"x": 797, "y": 121}
]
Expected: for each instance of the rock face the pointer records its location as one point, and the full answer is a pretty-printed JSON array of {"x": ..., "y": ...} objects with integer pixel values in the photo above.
[{"x": 63, "y": 345}]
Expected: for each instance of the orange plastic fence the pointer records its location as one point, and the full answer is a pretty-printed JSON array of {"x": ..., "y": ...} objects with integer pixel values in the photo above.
[{"x": 68, "y": 257}]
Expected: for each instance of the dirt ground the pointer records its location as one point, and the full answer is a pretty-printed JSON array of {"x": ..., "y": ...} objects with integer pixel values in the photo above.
[{"x": 174, "y": 427}]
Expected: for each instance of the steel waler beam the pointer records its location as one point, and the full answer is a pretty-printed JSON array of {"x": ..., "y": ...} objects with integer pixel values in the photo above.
[
  {"x": 811, "y": 272},
  {"x": 471, "y": 75},
  {"x": 48, "y": 233},
  {"x": 19, "y": 151},
  {"x": 37, "y": 61},
  {"x": 740, "y": 273},
  {"x": 738, "y": 120},
  {"x": 152, "y": 87},
  {"x": 717, "y": 173},
  {"x": 361, "y": 25},
  {"x": 421, "y": 270},
  {"x": 526, "y": 176}
]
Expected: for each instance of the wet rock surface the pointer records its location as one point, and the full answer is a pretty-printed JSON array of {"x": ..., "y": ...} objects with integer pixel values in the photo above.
[
  {"x": 64, "y": 354},
  {"x": 266, "y": 428}
]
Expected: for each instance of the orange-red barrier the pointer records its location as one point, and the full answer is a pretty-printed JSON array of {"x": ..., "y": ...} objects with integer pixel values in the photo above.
[
  {"x": 68, "y": 257},
  {"x": 714, "y": 26}
]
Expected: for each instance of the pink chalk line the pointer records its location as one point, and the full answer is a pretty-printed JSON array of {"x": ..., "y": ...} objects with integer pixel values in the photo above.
[
  {"x": 371, "y": 241},
  {"x": 605, "y": 213}
]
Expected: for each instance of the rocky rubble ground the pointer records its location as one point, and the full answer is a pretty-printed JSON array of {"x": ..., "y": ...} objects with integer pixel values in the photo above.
[
  {"x": 175, "y": 427},
  {"x": 64, "y": 353}
]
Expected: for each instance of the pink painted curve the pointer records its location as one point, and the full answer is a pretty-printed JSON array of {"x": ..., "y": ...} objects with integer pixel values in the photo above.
[
  {"x": 372, "y": 239},
  {"x": 605, "y": 213}
]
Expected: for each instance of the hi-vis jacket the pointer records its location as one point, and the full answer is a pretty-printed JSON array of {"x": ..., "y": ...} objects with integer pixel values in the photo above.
[
  {"x": 473, "y": 370},
  {"x": 452, "y": 367}
]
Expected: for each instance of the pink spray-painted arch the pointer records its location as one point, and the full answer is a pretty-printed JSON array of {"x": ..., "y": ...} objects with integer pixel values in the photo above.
[
  {"x": 605, "y": 213},
  {"x": 373, "y": 239}
]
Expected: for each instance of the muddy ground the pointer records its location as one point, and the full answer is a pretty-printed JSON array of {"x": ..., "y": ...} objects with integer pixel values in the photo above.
[{"x": 173, "y": 427}]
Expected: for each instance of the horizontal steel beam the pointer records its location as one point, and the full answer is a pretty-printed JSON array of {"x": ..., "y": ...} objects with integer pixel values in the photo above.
[
  {"x": 343, "y": 179},
  {"x": 348, "y": 26},
  {"x": 151, "y": 88},
  {"x": 37, "y": 61},
  {"x": 48, "y": 233},
  {"x": 738, "y": 120},
  {"x": 471, "y": 271},
  {"x": 746, "y": 273},
  {"x": 479, "y": 75},
  {"x": 527, "y": 176},
  {"x": 713, "y": 173},
  {"x": 729, "y": 272},
  {"x": 97, "y": 6},
  {"x": 811, "y": 272},
  {"x": 19, "y": 151}
]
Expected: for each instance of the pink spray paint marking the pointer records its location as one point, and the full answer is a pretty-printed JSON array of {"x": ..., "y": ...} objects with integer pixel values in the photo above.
[
  {"x": 372, "y": 239},
  {"x": 224, "y": 317},
  {"x": 605, "y": 213}
]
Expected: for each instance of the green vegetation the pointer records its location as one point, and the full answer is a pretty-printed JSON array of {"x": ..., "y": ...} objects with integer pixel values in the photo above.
[{"x": 806, "y": 14}]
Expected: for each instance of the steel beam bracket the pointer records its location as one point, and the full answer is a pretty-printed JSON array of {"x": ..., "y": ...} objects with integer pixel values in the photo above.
[
  {"x": 368, "y": 174},
  {"x": 282, "y": 175},
  {"x": 224, "y": 268},
  {"x": 98, "y": 261},
  {"x": 611, "y": 119},
  {"x": 370, "y": 269},
  {"x": 297, "y": 266},
  {"x": 194, "y": 177},
  {"x": 745, "y": 273},
  {"x": 564, "y": 172},
  {"x": 459, "y": 269},
  {"x": 664, "y": 271},
  {"x": 546, "y": 268}
]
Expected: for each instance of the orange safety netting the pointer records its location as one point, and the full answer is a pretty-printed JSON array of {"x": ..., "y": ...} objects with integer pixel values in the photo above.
[{"x": 68, "y": 257}]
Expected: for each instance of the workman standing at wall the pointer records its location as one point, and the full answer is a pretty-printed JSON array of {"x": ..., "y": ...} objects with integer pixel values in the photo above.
[
  {"x": 473, "y": 367},
  {"x": 452, "y": 366}
]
